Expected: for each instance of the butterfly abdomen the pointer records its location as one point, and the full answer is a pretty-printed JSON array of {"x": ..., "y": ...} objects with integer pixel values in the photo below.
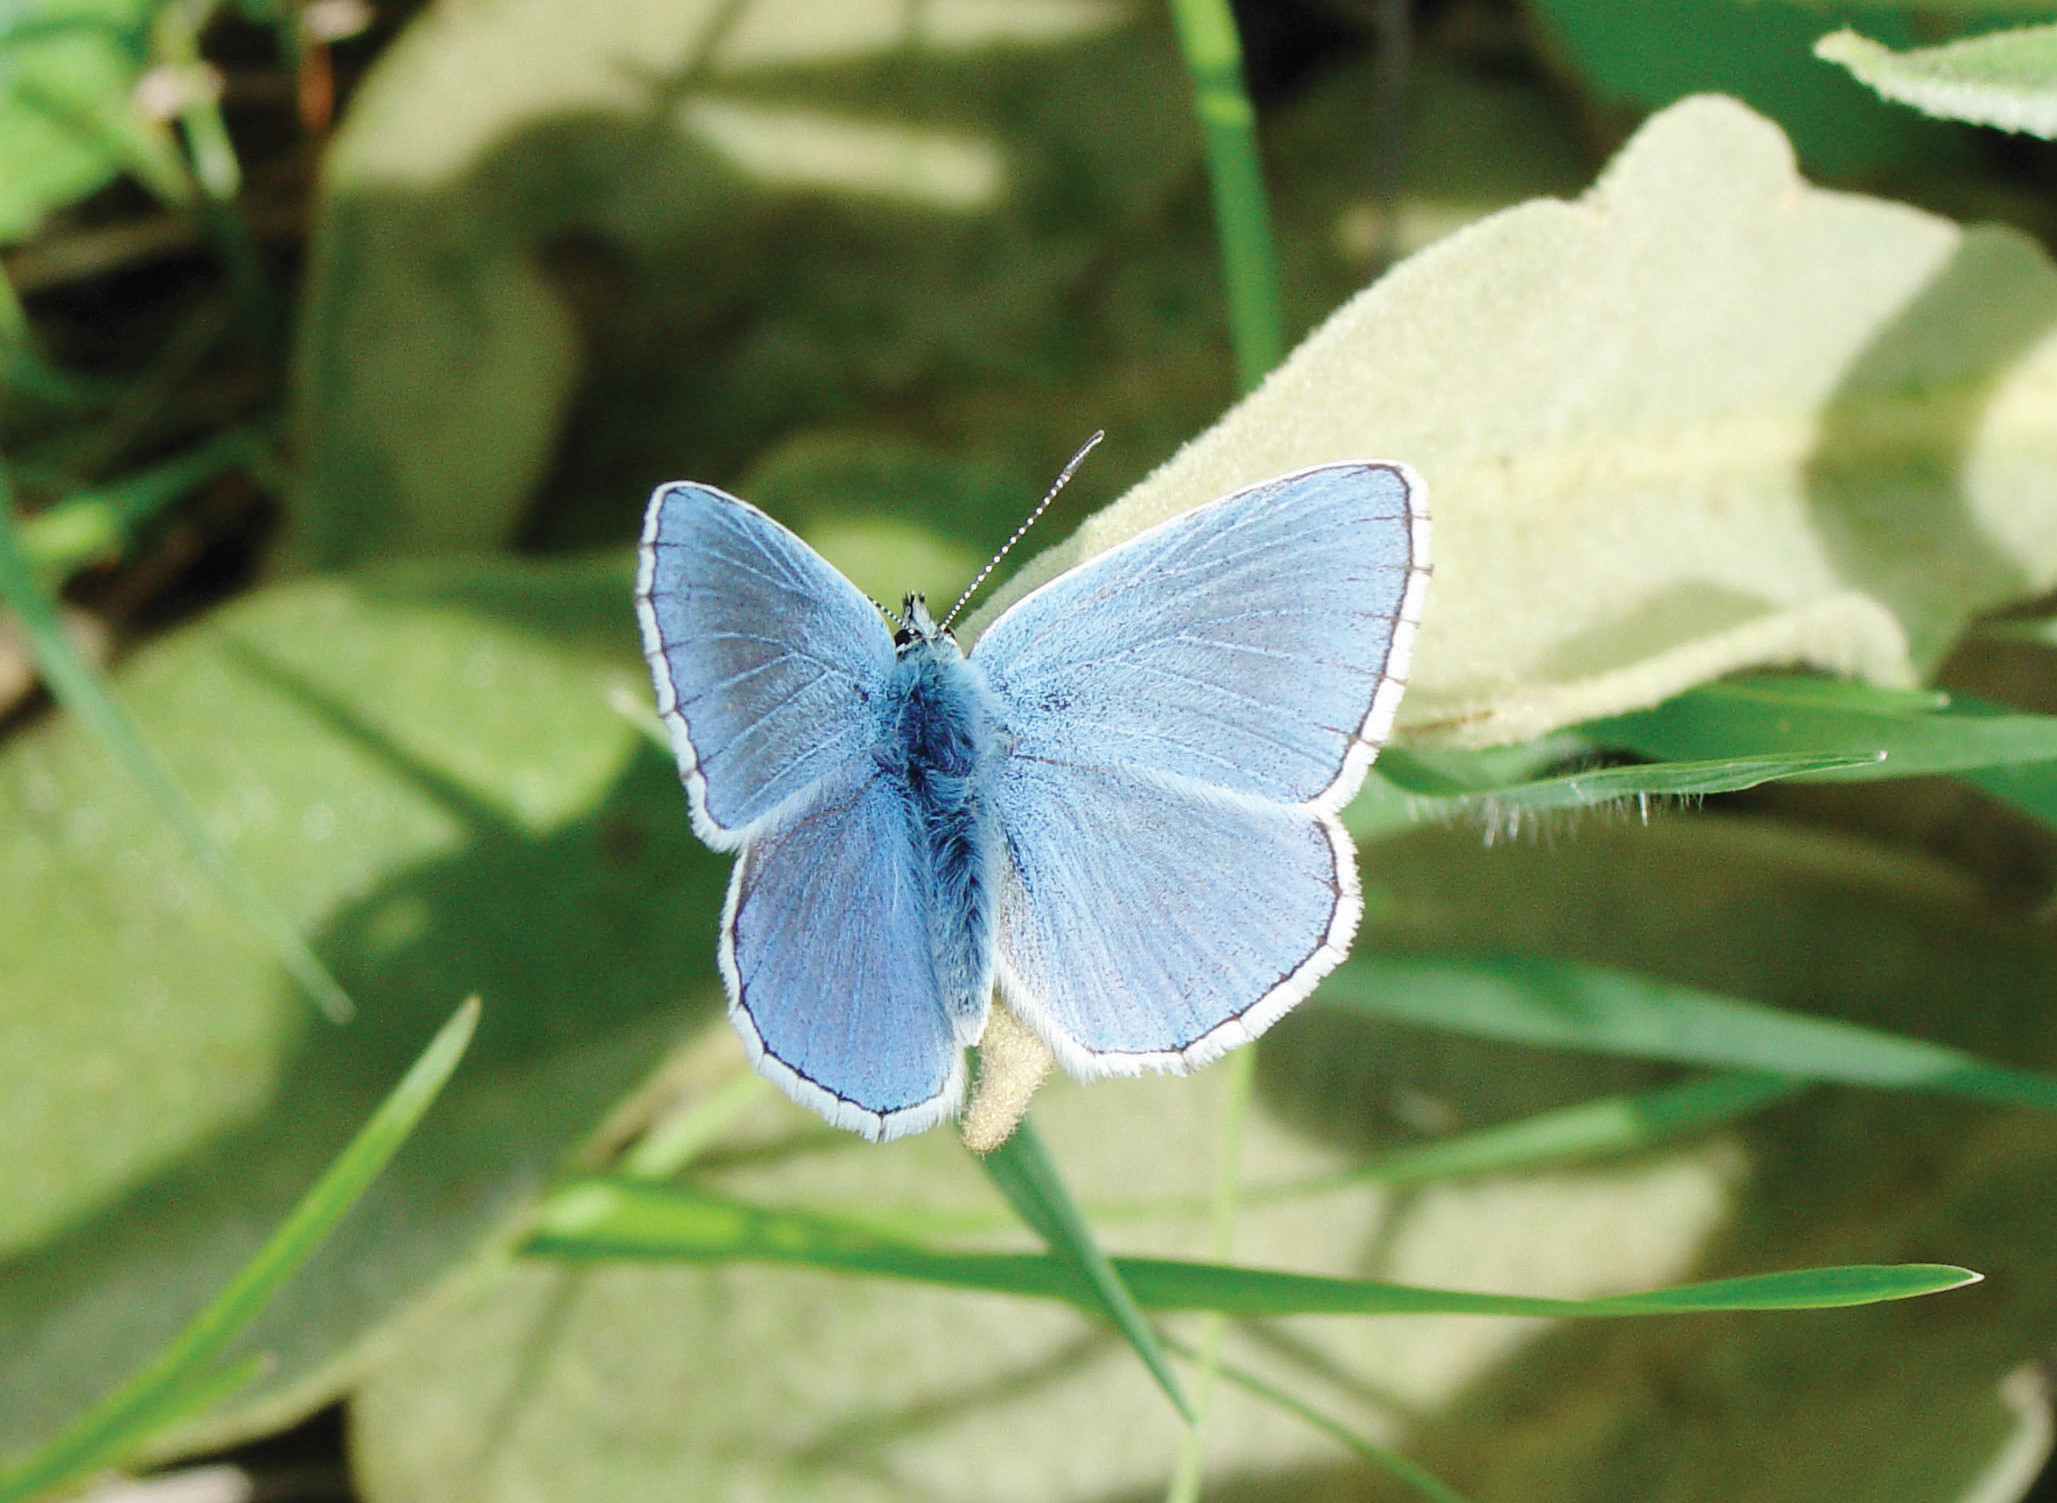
[{"x": 941, "y": 743}]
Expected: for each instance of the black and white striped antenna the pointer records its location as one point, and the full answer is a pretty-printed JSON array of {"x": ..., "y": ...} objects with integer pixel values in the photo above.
[{"x": 1041, "y": 506}]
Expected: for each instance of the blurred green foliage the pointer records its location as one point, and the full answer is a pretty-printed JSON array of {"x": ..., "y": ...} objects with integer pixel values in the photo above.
[{"x": 342, "y": 347}]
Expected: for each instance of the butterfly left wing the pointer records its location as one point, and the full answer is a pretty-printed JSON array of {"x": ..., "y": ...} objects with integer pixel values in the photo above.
[
  {"x": 1187, "y": 711},
  {"x": 825, "y": 948}
]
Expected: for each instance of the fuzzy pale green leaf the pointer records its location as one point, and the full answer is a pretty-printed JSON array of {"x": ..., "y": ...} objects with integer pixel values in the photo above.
[
  {"x": 2004, "y": 78},
  {"x": 421, "y": 770},
  {"x": 799, "y": 1384},
  {"x": 1706, "y": 417},
  {"x": 751, "y": 181},
  {"x": 171, "y": 1384}
]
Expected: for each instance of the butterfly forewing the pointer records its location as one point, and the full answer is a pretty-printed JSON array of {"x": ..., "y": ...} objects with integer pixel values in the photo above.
[
  {"x": 766, "y": 659},
  {"x": 1253, "y": 644}
]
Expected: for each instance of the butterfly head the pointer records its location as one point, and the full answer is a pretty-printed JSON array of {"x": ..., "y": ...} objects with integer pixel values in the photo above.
[{"x": 917, "y": 625}]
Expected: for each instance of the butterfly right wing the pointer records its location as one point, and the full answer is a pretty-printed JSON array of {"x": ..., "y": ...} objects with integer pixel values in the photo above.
[
  {"x": 825, "y": 949},
  {"x": 1186, "y": 713},
  {"x": 766, "y": 660}
]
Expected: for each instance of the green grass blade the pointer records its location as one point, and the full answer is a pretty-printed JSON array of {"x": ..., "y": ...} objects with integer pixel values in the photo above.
[
  {"x": 1588, "y": 1130},
  {"x": 1796, "y": 1289},
  {"x": 1907, "y": 733},
  {"x": 92, "y": 524},
  {"x": 196, "y": 1393},
  {"x": 179, "y": 1375},
  {"x": 1423, "y": 1481},
  {"x": 1606, "y": 785},
  {"x": 1228, "y": 138},
  {"x": 1163, "y": 1284},
  {"x": 80, "y": 689},
  {"x": 1559, "y": 1004},
  {"x": 679, "y": 1139},
  {"x": 1030, "y": 1181},
  {"x": 607, "y": 1219},
  {"x": 1241, "y": 1084}
]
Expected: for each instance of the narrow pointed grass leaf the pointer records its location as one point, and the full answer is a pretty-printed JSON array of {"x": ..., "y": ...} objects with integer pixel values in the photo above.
[
  {"x": 93, "y": 524},
  {"x": 1228, "y": 139},
  {"x": 1526, "y": 999},
  {"x": 1605, "y": 785},
  {"x": 610, "y": 1219},
  {"x": 195, "y": 1393},
  {"x": 677, "y": 1140},
  {"x": 1164, "y": 1284},
  {"x": 1241, "y": 1085},
  {"x": 1572, "y": 1134},
  {"x": 1423, "y": 1481},
  {"x": 181, "y": 1375},
  {"x": 1449, "y": 770},
  {"x": 1917, "y": 732},
  {"x": 85, "y": 694},
  {"x": 1022, "y": 1170},
  {"x": 1795, "y": 1289}
]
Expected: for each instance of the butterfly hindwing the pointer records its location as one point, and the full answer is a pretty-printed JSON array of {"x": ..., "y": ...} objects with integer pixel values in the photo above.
[
  {"x": 1256, "y": 644},
  {"x": 826, "y": 951},
  {"x": 766, "y": 659},
  {"x": 1151, "y": 923}
]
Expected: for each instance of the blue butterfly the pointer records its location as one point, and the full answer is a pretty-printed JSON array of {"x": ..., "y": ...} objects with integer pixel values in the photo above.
[{"x": 1120, "y": 806}]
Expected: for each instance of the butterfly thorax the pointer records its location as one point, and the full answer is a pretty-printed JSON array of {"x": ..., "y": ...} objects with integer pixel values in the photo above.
[{"x": 941, "y": 742}]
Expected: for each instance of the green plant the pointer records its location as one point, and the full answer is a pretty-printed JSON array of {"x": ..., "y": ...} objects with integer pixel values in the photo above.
[{"x": 1729, "y": 473}]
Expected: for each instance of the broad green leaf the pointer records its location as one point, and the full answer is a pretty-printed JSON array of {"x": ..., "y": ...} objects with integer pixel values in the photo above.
[
  {"x": 1966, "y": 10},
  {"x": 875, "y": 1387},
  {"x": 761, "y": 184},
  {"x": 1588, "y": 384},
  {"x": 1815, "y": 925},
  {"x": 2004, "y": 78},
  {"x": 125, "y": 1418},
  {"x": 421, "y": 770},
  {"x": 1884, "y": 734},
  {"x": 559, "y": 256},
  {"x": 882, "y": 1386},
  {"x": 83, "y": 692}
]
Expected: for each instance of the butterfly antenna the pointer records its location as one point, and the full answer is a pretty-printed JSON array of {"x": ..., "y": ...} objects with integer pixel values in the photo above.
[
  {"x": 889, "y": 613},
  {"x": 1041, "y": 506}
]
